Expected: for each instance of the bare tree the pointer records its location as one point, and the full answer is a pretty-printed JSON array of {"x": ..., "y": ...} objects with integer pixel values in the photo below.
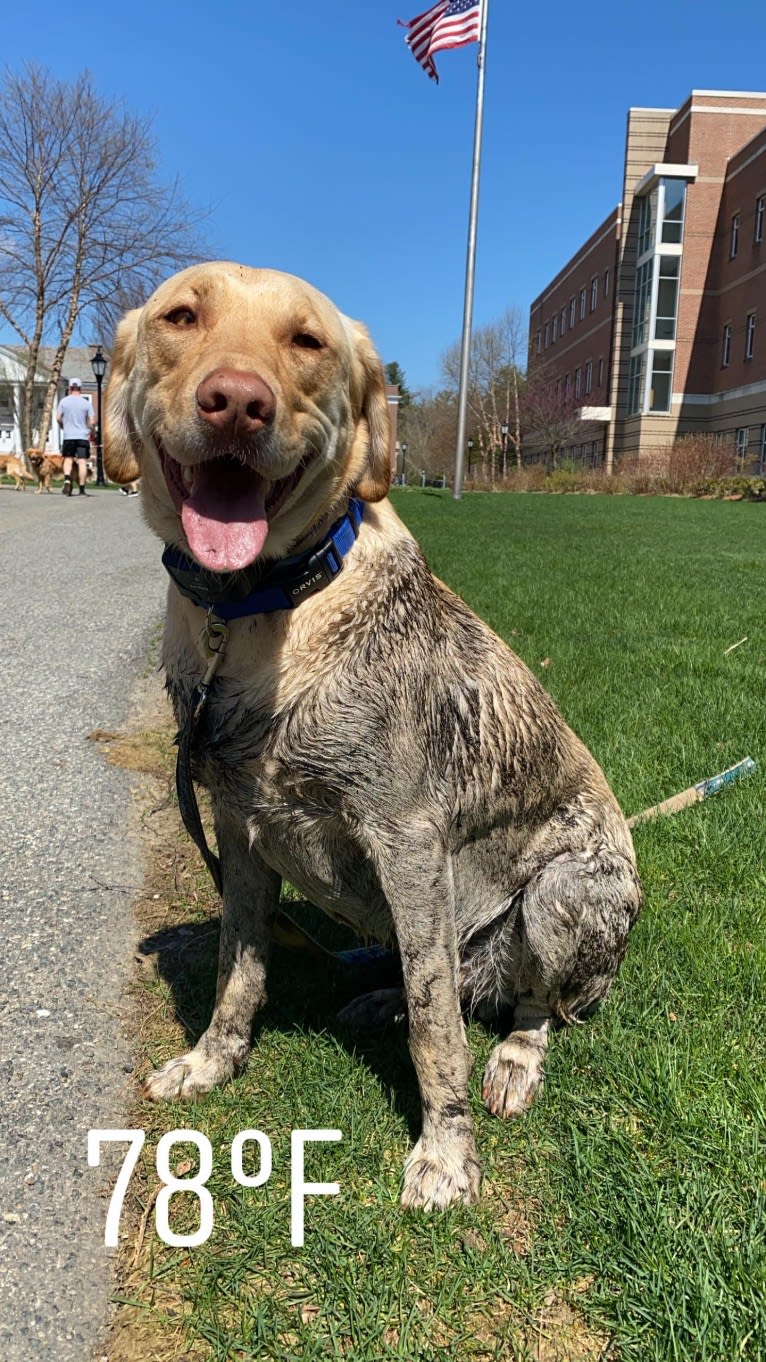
[
  {"x": 551, "y": 415},
  {"x": 428, "y": 428},
  {"x": 85, "y": 227},
  {"x": 494, "y": 391}
]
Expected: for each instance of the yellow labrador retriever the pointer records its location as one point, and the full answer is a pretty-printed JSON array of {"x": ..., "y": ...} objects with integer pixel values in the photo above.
[{"x": 365, "y": 737}]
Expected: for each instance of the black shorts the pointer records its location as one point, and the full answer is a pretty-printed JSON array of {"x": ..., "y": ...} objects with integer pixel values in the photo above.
[{"x": 75, "y": 449}]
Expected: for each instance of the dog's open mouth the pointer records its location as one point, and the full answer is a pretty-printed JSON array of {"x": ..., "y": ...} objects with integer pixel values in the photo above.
[{"x": 225, "y": 507}]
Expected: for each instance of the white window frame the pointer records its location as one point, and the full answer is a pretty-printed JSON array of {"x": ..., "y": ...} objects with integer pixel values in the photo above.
[
  {"x": 555, "y": 328},
  {"x": 734, "y": 238},
  {"x": 546, "y": 335},
  {"x": 588, "y": 377},
  {"x": 594, "y": 293},
  {"x": 583, "y": 292},
  {"x": 741, "y": 442},
  {"x": 572, "y": 312},
  {"x": 577, "y": 383},
  {"x": 539, "y": 341},
  {"x": 726, "y": 346},
  {"x": 750, "y": 335},
  {"x": 563, "y": 321},
  {"x": 606, "y": 282},
  {"x": 601, "y": 372}
]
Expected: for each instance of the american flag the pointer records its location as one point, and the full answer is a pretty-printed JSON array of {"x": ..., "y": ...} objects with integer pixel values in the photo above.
[{"x": 449, "y": 23}]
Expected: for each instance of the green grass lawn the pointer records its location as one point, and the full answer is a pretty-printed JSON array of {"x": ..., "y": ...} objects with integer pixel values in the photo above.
[{"x": 623, "y": 1217}]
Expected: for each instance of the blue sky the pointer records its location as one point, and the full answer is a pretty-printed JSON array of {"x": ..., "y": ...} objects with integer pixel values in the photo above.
[{"x": 323, "y": 149}]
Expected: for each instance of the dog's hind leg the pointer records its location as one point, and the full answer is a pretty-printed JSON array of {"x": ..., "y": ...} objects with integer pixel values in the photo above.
[
  {"x": 574, "y": 920},
  {"x": 250, "y": 899}
]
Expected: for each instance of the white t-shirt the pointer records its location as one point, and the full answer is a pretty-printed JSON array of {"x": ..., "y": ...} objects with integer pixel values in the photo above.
[{"x": 76, "y": 412}]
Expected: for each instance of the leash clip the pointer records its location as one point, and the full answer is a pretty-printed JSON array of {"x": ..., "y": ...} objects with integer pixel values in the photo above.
[{"x": 215, "y": 637}]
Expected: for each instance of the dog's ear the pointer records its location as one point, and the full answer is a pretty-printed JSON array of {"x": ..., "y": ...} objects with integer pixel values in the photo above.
[
  {"x": 122, "y": 447},
  {"x": 371, "y": 452}
]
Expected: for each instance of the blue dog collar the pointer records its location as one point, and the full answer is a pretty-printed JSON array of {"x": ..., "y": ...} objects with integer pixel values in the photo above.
[{"x": 259, "y": 591}]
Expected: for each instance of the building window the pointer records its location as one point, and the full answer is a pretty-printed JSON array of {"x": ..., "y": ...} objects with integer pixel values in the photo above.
[
  {"x": 546, "y": 335},
  {"x": 636, "y": 383},
  {"x": 734, "y": 242},
  {"x": 646, "y": 214},
  {"x": 588, "y": 377},
  {"x": 567, "y": 387},
  {"x": 577, "y": 382},
  {"x": 563, "y": 321},
  {"x": 601, "y": 373},
  {"x": 726, "y": 345},
  {"x": 760, "y": 213},
  {"x": 674, "y": 194},
  {"x": 582, "y": 303},
  {"x": 667, "y": 298},
  {"x": 539, "y": 342},
  {"x": 572, "y": 312},
  {"x": 762, "y": 452},
  {"x": 750, "y": 335},
  {"x": 662, "y": 375},
  {"x": 555, "y": 328},
  {"x": 606, "y": 283},
  {"x": 742, "y": 440},
  {"x": 643, "y": 301},
  {"x": 594, "y": 293}
]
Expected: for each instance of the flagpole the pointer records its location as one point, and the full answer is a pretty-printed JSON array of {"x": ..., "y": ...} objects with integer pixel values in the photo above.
[{"x": 470, "y": 267}]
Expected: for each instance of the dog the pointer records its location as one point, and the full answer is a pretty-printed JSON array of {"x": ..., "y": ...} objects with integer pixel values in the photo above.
[
  {"x": 45, "y": 467},
  {"x": 13, "y": 467},
  {"x": 370, "y": 740}
]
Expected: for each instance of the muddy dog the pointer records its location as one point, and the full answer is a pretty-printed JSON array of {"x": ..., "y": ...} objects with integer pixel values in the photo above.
[
  {"x": 13, "y": 467},
  {"x": 366, "y": 736}
]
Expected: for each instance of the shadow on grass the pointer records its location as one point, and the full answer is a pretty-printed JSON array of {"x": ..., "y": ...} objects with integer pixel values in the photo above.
[{"x": 305, "y": 994}]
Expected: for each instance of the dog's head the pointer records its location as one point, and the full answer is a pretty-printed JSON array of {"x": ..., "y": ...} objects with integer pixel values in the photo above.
[
  {"x": 250, "y": 407},
  {"x": 36, "y": 457}
]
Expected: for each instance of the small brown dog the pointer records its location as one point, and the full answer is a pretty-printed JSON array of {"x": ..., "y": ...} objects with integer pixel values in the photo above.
[
  {"x": 12, "y": 466},
  {"x": 45, "y": 466}
]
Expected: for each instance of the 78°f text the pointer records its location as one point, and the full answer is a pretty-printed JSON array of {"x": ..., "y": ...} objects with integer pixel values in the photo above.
[{"x": 194, "y": 1184}]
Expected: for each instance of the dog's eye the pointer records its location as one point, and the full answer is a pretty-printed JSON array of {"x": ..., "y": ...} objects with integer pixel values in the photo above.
[
  {"x": 181, "y": 316},
  {"x": 305, "y": 341}
]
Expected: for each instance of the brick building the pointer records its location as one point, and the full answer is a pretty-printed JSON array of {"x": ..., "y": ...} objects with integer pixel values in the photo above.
[{"x": 652, "y": 328}]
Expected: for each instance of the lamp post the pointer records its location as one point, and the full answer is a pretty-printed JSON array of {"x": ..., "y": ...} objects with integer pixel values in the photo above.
[
  {"x": 98, "y": 365},
  {"x": 403, "y": 447},
  {"x": 504, "y": 434}
]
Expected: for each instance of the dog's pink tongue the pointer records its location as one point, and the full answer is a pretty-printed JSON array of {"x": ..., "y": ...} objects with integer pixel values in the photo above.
[{"x": 224, "y": 516}]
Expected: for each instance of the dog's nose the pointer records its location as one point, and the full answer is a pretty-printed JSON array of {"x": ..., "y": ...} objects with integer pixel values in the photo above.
[{"x": 235, "y": 402}]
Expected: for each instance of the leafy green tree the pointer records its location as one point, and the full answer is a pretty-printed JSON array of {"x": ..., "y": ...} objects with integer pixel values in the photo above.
[{"x": 395, "y": 375}]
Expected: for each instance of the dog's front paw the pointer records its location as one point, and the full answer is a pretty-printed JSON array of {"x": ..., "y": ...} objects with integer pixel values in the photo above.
[
  {"x": 437, "y": 1176},
  {"x": 191, "y": 1075},
  {"x": 512, "y": 1077}
]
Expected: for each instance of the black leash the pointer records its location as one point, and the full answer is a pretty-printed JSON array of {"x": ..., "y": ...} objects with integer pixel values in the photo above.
[{"x": 216, "y": 637}]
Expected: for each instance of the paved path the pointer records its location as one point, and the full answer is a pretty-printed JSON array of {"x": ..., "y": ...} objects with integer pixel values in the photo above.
[{"x": 82, "y": 591}]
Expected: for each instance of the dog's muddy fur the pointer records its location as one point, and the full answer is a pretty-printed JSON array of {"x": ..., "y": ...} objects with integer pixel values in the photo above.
[{"x": 378, "y": 746}]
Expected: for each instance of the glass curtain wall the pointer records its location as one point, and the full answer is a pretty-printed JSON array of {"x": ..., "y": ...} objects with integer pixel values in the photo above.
[{"x": 655, "y": 302}]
